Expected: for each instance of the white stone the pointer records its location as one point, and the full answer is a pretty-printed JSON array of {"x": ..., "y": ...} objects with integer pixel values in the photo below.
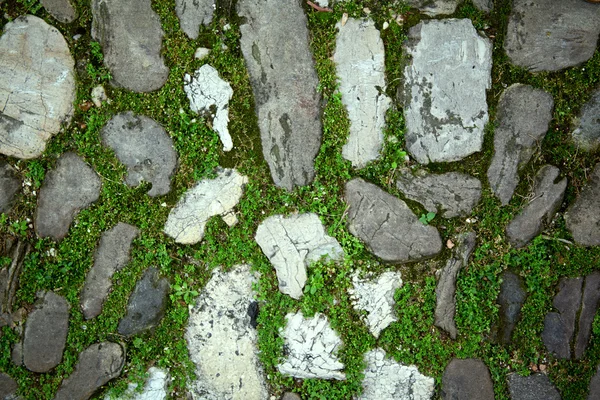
[
  {"x": 201, "y": 52},
  {"x": 99, "y": 95},
  {"x": 230, "y": 219},
  {"x": 154, "y": 389}
]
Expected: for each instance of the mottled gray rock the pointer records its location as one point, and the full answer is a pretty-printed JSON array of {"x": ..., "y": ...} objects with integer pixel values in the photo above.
[
  {"x": 131, "y": 50},
  {"x": 275, "y": 46},
  {"x": 9, "y": 186},
  {"x": 539, "y": 211},
  {"x": 587, "y": 126},
  {"x": 192, "y": 13},
  {"x": 444, "y": 90},
  {"x": 583, "y": 217},
  {"x": 67, "y": 189},
  {"x": 144, "y": 147},
  {"x": 467, "y": 380},
  {"x": 484, "y": 5},
  {"x": 511, "y": 298},
  {"x": 522, "y": 121},
  {"x": 222, "y": 338},
  {"x": 37, "y": 86},
  {"x": 112, "y": 256},
  {"x": 589, "y": 306},
  {"x": 97, "y": 365},
  {"x": 291, "y": 244},
  {"x": 452, "y": 193},
  {"x": 434, "y": 7},
  {"x": 532, "y": 387},
  {"x": 546, "y": 35},
  {"x": 62, "y": 10},
  {"x": 8, "y": 387},
  {"x": 147, "y": 304},
  {"x": 209, "y": 197},
  {"x": 594, "y": 393}
]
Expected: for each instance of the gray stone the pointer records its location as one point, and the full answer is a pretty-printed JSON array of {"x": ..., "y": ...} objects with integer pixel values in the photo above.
[
  {"x": 62, "y": 10},
  {"x": 222, "y": 338},
  {"x": 484, "y": 5},
  {"x": 546, "y": 35},
  {"x": 594, "y": 393},
  {"x": 67, "y": 189},
  {"x": 444, "y": 90},
  {"x": 291, "y": 396},
  {"x": 131, "y": 50},
  {"x": 201, "y": 52},
  {"x": 37, "y": 86},
  {"x": 8, "y": 387},
  {"x": 99, "y": 96},
  {"x": 532, "y": 387},
  {"x": 291, "y": 244},
  {"x": 209, "y": 197},
  {"x": 9, "y": 186},
  {"x": 452, "y": 193},
  {"x": 587, "y": 132},
  {"x": 434, "y": 7},
  {"x": 524, "y": 114},
  {"x": 467, "y": 379},
  {"x": 145, "y": 148},
  {"x": 589, "y": 306},
  {"x": 511, "y": 298},
  {"x": 360, "y": 63},
  {"x": 539, "y": 211},
  {"x": 583, "y": 217},
  {"x": 46, "y": 333},
  {"x": 192, "y": 13},
  {"x": 97, "y": 365},
  {"x": 387, "y": 226},
  {"x": 275, "y": 46},
  {"x": 147, "y": 304},
  {"x": 111, "y": 256}
]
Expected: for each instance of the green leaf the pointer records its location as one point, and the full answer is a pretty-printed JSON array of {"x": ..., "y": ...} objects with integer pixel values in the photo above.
[
  {"x": 430, "y": 216},
  {"x": 313, "y": 289}
]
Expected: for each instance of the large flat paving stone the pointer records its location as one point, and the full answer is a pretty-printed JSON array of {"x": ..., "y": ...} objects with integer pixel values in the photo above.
[
  {"x": 583, "y": 217},
  {"x": 587, "y": 127},
  {"x": 532, "y": 387},
  {"x": 193, "y": 13},
  {"x": 9, "y": 186},
  {"x": 467, "y": 379},
  {"x": 61, "y": 10}
]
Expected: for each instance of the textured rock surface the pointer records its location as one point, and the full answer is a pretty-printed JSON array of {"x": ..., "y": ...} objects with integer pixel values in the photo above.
[
  {"x": 511, "y": 298},
  {"x": 9, "y": 186},
  {"x": 144, "y": 147},
  {"x": 532, "y": 387},
  {"x": 37, "y": 86},
  {"x": 291, "y": 244},
  {"x": 434, "y": 7},
  {"x": 192, "y": 13},
  {"x": 62, "y": 10},
  {"x": 291, "y": 396},
  {"x": 155, "y": 388},
  {"x": 444, "y": 91},
  {"x": 131, "y": 51},
  {"x": 595, "y": 386},
  {"x": 467, "y": 380},
  {"x": 583, "y": 217},
  {"x": 8, "y": 387},
  {"x": 484, "y": 5},
  {"x": 222, "y": 339},
  {"x": 209, "y": 197},
  {"x": 67, "y": 189},
  {"x": 546, "y": 35},
  {"x": 539, "y": 211},
  {"x": 111, "y": 256},
  {"x": 587, "y": 130},
  {"x": 522, "y": 121},
  {"x": 311, "y": 348},
  {"x": 285, "y": 87},
  {"x": 385, "y": 223},
  {"x": 589, "y": 306}
]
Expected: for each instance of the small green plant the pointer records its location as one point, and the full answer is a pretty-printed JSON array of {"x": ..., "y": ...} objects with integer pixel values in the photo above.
[
  {"x": 19, "y": 227},
  {"x": 427, "y": 218},
  {"x": 184, "y": 291},
  {"x": 31, "y": 6}
]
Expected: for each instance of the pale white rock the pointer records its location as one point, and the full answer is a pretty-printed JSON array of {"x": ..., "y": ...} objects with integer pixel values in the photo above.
[
  {"x": 99, "y": 96},
  {"x": 201, "y": 52},
  {"x": 230, "y": 219},
  {"x": 154, "y": 389}
]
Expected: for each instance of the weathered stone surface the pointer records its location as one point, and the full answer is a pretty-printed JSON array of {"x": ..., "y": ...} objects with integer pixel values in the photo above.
[
  {"x": 37, "y": 86},
  {"x": 484, "y": 5},
  {"x": 452, "y": 193},
  {"x": 360, "y": 63},
  {"x": 206, "y": 90},
  {"x": 209, "y": 197},
  {"x": 595, "y": 386},
  {"x": 62, "y": 10},
  {"x": 291, "y": 396},
  {"x": 201, "y": 52},
  {"x": 291, "y": 244},
  {"x": 444, "y": 90},
  {"x": 112, "y": 255},
  {"x": 222, "y": 338},
  {"x": 467, "y": 380},
  {"x": 192, "y": 13},
  {"x": 131, "y": 51},
  {"x": 539, "y": 211},
  {"x": 532, "y": 387},
  {"x": 434, "y": 7},
  {"x": 589, "y": 305},
  {"x": 275, "y": 46},
  {"x": 587, "y": 131},
  {"x": 8, "y": 387},
  {"x": 67, "y": 189},
  {"x": 583, "y": 217},
  {"x": 311, "y": 348},
  {"x": 9, "y": 186},
  {"x": 97, "y": 365},
  {"x": 522, "y": 121},
  {"x": 147, "y": 304},
  {"x": 385, "y": 223},
  {"x": 144, "y": 147},
  {"x": 99, "y": 96},
  {"x": 155, "y": 388},
  {"x": 511, "y": 298},
  {"x": 548, "y": 36},
  {"x": 16, "y": 250}
]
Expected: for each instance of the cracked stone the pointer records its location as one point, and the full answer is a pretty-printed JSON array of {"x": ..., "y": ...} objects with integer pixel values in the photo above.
[
  {"x": 583, "y": 217},
  {"x": 467, "y": 379},
  {"x": 61, "y": 10},
  {"x": 10, "y": 184},
  {"x": 193, "y": 13},
  {"x": 587, "y": 126},
  {"x": 532, "y": 387}
]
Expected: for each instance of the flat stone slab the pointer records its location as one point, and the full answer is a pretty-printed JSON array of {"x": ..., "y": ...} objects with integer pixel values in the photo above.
[
  {"x": 511, "y": 298},
  {"x": 467, "y": 379},
  {"x": 131, "y": 51},
  {"x": 532, "y": 387},
  {"x": 583, "y": 217},
  {"x": 193, "y": 13},
  {"x": 360, "y": 64},
  {"x": 444, "y": 90},
  {"x": 587, "y": 126},
  {"x": 9, "y": 186},
  {"x": 541, "y": 34},
  {"x": 387, "y": 226},
  {"x": 434, "y": 7},
  {"x": 67, "y": 189},
  {"x": 61, "y": 10},
  {"x": 452, "y": 194},
  {"x": 8, "y": 387},
  {"x": 524, "y": 114},
  {"x": 589, "y": 306},
  {"x": 37, "y": 86},
  {"x": 209, "y": 197},
  {"x": 312, "y": 348},
  {"x": 144, "y": 147},
  {"x": 222, "y": 338},
  {"x": 111, "y": 256},
  {"x": 291, "y": 244},
  {"x": 285, "y": 87}
]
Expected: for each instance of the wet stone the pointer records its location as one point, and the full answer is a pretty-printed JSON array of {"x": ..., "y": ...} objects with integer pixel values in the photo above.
[
  {"x": 434, "y": 7},
  {"x": 8, "y": 387},
  {"x": 62, "y": 10},
  {"x": 532, "y": 387},
  {"x": 9, "y": 186},
  {"x": 583, "y": 217},
  {"x": 589, "y": 306},
  {"x": 467, "y": 380},
  {"x": 511, "y": 298},
  {"x": 193, "y": 13},
  {"x": 587, "y": 131}
]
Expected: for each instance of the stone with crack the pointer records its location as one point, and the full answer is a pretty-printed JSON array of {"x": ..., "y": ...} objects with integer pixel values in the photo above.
[{"x": 9, "y": 186}]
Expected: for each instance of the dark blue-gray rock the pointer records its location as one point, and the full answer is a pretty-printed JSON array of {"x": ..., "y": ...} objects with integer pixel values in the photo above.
[
  {"x": 524, "y": 114},
  {"x": 9, "y": 186},
  {"x": 467, "y": 379},
  {"x": 8, "y": 387},
  {"x": 388, "y": 227},
  {"x": 532, "y": 387},
  {"x": 546, "y": 35},
  {"x": 193, "y": 13},
  {"x": 146, "y": 306},
  {"x": 434, "y": 7},
  {"x": 583, "y": 217},
  {"x": 282, "y": 73},
  {"x": 511, "y": 298},
  {"x": 62, "y": 10},
  {"x": 67, "y": 189},
  {"x": 589, "y": 306},
  {"x": 594, "y": 393},
  {"x": 587, "y": 126}
]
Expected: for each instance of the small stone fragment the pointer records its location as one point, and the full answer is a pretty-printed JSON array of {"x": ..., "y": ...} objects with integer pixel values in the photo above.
[
  {"x": 290, "y": 396},
  {"x": 484, "y": 5},
  {"x": 587, "y": 132},
  {"x": 8, "y": 387},
  {"x": 589, "y": 306},
  {"x": 532, "y": 387},
  {"x": 155, "y": 388},
  {"x": 434, "y": 7},
  {"x": 467, "y": 380},
  {"x": 583, "y": 217},
  {"x": 192, "y": 13},
  {"x": 594, "y": 393},
  {"x": 230, "y": 219},
  {"x": 99, "y": 96},
  {"x": 62, "y": 10},
  {"x": 9, "y": 186},
  {"x": 511, "y": 298},
  {"x": 201, "y": 52}
]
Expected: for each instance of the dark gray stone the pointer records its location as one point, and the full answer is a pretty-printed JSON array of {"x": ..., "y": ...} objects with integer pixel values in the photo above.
[
  {"x": 62, "y": 10},
  {"x": 583, "y": 217},
  {"x": 388, "y": 227},
  {"x": 467, "y": 380},
  {"x": 9, "y": 186},
  {"x": 589, "y": 305},
  {"x": 434, "y": 7},
  {"x": 8, "y": 387},
  {"x": 192, "y": 13},
  {"x": 511, "y": 298},
  {"x": 147, "y": 304},
  {"x": 539, "y": 211},
  {"x": 594, "y": 393},
  {"x": 532, "y": 387},
  {"x": 275, "y": 46},
  {"x": 69, "y": 188},
  {"x": 587, "y": 130},
  {"x": 522, "y": 121}
]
